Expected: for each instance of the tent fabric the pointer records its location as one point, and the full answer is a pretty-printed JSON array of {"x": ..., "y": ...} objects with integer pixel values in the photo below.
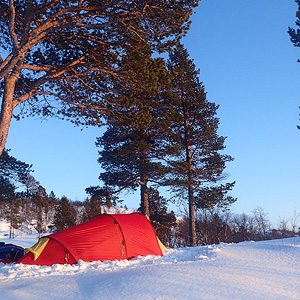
[
  {"x": 10, "y": 252},
  {"x": 54, "y": 253},
  {"x": 161, "y": 245},
  {"x": 37, "y": 248},
  {"x": 106, "y": 237}
]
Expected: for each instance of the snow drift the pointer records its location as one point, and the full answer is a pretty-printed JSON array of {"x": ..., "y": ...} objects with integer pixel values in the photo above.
[{"x": 249, "y": 270}]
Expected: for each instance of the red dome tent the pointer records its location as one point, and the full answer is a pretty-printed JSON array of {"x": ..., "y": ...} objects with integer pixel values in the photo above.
[{"x": 106, "y": 237}]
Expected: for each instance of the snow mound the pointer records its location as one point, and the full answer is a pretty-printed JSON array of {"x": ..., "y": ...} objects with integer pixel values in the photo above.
[{"x": 172, "y": 256}]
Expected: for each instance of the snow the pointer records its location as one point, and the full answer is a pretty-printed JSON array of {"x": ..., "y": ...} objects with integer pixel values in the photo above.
[{"x": 248, "y": 270}]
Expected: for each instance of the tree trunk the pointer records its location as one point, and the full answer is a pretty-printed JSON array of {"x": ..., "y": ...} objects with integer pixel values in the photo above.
[
  {"x": 188, "y": 159},
  {"x": 10, "y": 225},
  {"x": 145, "y": 196},
  {"x": 6, "y": 109},
  {"x": 192, "y": 221}
]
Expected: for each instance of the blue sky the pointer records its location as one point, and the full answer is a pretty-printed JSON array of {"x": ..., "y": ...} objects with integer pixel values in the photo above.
[{"x": 249, "y": 67}]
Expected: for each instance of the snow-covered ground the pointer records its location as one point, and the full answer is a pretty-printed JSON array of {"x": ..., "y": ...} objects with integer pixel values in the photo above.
[{"x": 249, "y": 270}]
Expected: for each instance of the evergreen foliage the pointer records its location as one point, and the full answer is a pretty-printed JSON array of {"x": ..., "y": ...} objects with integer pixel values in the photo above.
[
  {"x": 197, "y": 164},
  {"x": 104, "y": 195},
  {"x": 295, "y": 33},
  {"x": 92, "y": 208},
  {"x": 9, "y": 204},
  {"x": 13, "y": 169},
  {"x": 65, "y": 215},
  {"x": 162, "y": 221},
  {"x": 13, "y": 173},
  {"x": 7, "y": 189},
  {"x": 134, "y": 143},
  {"x": 40, "y": 200},
  {"x": 62, "y": 56},
  {"x": 28, "y": 207}
]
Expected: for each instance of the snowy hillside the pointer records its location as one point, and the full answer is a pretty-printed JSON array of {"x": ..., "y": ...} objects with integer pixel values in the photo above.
[{"x": 249, "y": 270}]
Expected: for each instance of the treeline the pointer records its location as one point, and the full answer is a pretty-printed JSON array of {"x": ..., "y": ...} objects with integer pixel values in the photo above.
[
  {"x": 23, "y": 200},
  {"x": 47, "y": 213},
  {"x": 38, "y": 211},
  {"x": 34, "y": 208},
  {"x": 214, "y": 227}
]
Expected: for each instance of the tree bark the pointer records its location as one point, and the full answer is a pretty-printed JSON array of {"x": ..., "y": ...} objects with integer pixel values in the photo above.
[
  {"x": 7, "y": 109},
  {"x": 145, "y": 196},
  {"x": 192, "y": 221}
]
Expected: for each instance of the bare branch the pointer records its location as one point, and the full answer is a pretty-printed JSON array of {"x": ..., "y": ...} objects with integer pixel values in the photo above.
[{"x": 36, "y": 68}]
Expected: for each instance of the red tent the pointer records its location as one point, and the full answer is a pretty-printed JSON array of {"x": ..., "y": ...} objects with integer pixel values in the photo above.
[{"x": 106, "y": 237}]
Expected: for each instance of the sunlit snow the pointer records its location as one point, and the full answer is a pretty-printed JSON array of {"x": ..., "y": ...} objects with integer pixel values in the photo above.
[{"x": 249, "y": 270}]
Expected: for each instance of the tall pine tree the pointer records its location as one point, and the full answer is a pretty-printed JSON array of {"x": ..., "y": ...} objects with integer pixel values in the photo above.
[
  {"x": 198, "y": 164},
  {"x": 136, "y": 136}
]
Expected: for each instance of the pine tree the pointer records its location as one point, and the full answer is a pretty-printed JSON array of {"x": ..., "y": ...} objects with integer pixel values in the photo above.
[
  {"x": 15, "y": 170},
  {"x": 7, "y": 189},
  {"x": 92, "y": 208},
  {"x": 197, "y": 164},
  {"x": 8, "y": 198},
  {"x": 13, "y": 173},
  {"x": 67, "y": 52},
  {"x": 136, "y": 136},
  {"x": 162, "y": 220},
  {"x": 40, "y": 200},
  {"x": 14, "y": 216},
  {"x": 31, "y": 185},
  {"x": 65, "y": 215},
  {"x": 53, "y": 202}
]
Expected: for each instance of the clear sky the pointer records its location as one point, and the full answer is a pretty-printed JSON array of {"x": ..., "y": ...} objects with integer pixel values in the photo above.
[{"x": 249, "y": 67}]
